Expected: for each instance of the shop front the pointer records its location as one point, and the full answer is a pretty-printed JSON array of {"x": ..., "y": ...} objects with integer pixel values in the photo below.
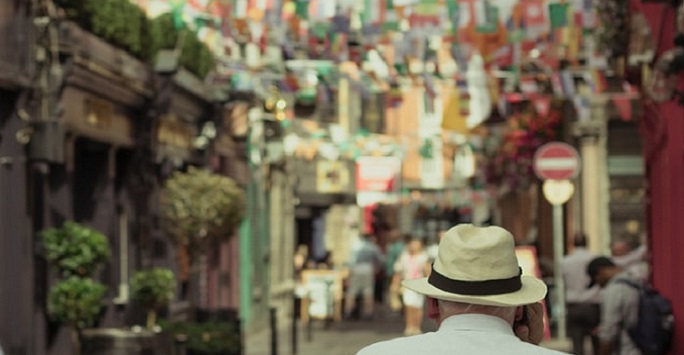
[{"x": 83, "y": 168}]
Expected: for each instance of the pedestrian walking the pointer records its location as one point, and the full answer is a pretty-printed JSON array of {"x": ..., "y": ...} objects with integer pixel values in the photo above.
[
  {"x": 583, "y": 302},
  {"x": 619, "y": 306},
  {"x": 479, "y": 298},
  {"x": 365, "y": 260},
  {"x": 412, "y": 264},
  {"x": 394, "y": 251}
]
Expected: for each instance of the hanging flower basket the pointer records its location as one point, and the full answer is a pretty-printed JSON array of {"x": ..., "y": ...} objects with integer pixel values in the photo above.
[{"x": 510, "y": 165}]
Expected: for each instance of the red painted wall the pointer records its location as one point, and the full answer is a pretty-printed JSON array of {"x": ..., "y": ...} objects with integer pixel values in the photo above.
[
  {"x": 663, "y": 134},
  {"x": 665, "y": 210}
]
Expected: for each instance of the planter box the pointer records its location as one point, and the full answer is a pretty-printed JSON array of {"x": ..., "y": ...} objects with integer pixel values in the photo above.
[
  {"x": 214, "y": 332},
  {"x": 107, "y": 61},
  {"x": 114, "y": 341}
]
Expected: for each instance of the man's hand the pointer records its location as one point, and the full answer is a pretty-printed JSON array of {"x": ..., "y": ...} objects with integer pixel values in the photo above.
[{"x": 529, "y": 326}]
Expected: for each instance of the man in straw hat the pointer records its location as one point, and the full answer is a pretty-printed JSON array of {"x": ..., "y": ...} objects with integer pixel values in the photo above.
[{"x": 478, "y": 297}]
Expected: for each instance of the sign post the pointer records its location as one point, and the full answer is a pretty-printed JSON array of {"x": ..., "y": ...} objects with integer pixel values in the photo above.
[{"x": 556, "y": 163}]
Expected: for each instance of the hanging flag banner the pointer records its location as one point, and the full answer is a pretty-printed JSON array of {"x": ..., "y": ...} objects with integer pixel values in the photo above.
[
  {"x": 542, "y": 104},
  {"x": 558, "y": 14},
  {"x": 301, "y": 9},
  {"x": 404, "y": 2},
  {"x": 452, "y": 119},
  {"x": 322, "y": 10},
  {"x": 623, "y": 104},
  {"x": 432, "y": 164},
  {"x": 486, "y": 17},
  {"x": 240, "y": 9},
  {"x": 598, "y": 81},
  {"x": 533, "y": 13},
  {"x": 429, "y": 113}
]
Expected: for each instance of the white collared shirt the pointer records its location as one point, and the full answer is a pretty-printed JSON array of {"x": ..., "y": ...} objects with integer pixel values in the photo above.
[
  {"x": 461, "y": 334},
  {"x": 574, "y": 268}
]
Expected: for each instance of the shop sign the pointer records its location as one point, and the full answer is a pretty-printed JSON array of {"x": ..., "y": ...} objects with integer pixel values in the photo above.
[
  {"x": 331, "y": 176},
  {"x": 377, "y": 173},
  {"x": 96, "y": 118},
  {"x": 174, "y": 132},
  {"x": 99, "y": 113}
]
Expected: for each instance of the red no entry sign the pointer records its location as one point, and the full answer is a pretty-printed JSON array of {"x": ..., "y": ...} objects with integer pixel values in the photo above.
[{"x": 556, "y": 161}]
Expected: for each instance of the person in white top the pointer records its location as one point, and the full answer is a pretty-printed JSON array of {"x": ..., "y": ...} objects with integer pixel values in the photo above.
[
  {"x": 583, "y": 303},
  {"x": 478, "y": 296},
  {"x": 628, "y": 253},
  {"x": 412, "y": 264}
]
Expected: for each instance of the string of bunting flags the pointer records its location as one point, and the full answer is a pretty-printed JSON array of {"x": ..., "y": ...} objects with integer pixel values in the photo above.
[{"x": 494, "y": 53}]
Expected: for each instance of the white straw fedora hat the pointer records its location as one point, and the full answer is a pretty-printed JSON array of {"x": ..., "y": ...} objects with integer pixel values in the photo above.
[{"x": 478, "y": 265}]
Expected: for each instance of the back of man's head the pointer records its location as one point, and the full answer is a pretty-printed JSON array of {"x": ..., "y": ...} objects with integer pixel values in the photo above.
[{"x": 580, "y": 240}]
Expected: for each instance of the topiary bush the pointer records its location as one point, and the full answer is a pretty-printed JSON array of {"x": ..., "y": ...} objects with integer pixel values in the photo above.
[
  {"x": 153, "y": 289},
  {"x": 199, "y": 206},
  {"x": 76, "y": 301},
  {"x": 74, "y": 249}
]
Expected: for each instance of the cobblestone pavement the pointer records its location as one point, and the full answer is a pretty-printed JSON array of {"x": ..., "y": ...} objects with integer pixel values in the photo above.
[{"x": 342, "y": 338}]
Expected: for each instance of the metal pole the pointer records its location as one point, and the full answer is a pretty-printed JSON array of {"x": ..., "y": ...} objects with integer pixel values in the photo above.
[
  {"x": 294, "y": 332},
  {"x": 558, "y": 250},
  {"x": 274, "y": 332}
]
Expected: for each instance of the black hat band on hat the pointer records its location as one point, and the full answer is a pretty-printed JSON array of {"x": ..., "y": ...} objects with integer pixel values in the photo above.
[{"x": 475, "y": 288}]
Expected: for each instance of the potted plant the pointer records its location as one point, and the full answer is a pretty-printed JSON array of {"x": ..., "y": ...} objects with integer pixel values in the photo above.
[
  {"x": 199, "y": 208},
  {"x": 74, "y": 249},
  {"x": 75, "y": 252},
  {"x": 153, "y": 289},
  {"x": 76, "y": 302}
]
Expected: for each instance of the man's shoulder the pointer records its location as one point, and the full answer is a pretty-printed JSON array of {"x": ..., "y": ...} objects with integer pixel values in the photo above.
[
  {"x": 621, "y": 286},
  {"x": 428, "y": 344},
  {"x": 403, "y": 345}
]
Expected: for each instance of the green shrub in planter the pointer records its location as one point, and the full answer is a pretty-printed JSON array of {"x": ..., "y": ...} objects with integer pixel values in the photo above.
[
  {"x": 125, "y": 25},
  {"x": 195, "y": 55},
  {"x": 163, "y": 32},
  {"x": 75, "y": 249},
  {"x": 153, "y": 289},
  {"x": 210, "y": 338},
  {"x": 76, "y": 302},
  {"x": 119, "y": 22},
  {"x": 199, "y": 206}
]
